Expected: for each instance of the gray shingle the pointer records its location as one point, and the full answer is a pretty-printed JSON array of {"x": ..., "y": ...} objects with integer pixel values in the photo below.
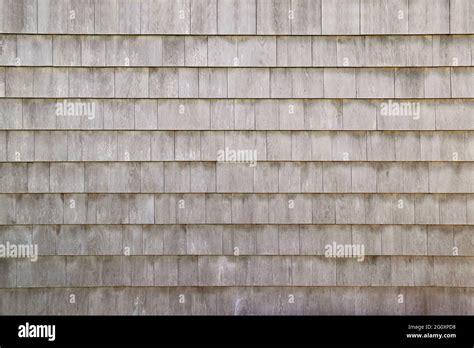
[
  {"x": 380, "y": 146},
  {"x": 196, "y": 49},
  {"x": 11, "y": 114},
  {"x": 350, "y": 209},
  {"x": 20, "y": 16},
  {"x": 306, "y": 17},
  {"x": 294, "y": 51},
  {"x": 129, "y": 17},
  {"x": 239, "y": 240},
  {"x": 249, "y": 83},
  {"x": 437, "y": 83},
  {"x": 218, "y": 209},
  {"x": 133, "y": 146},
  {"x": 93, "y": 50},
  {"x": 111, "y": 177},
  {"x": 183, "y": 114},
  {"x": 339, "y": 83},
  {"x": 52, "y": 16},
  {"x": 290, "y": 209},
  {"x": 451, "y": 51},
  {"x": 187, "y": 146},
  {"x": 324, "y": 50},
  {"x": 237, "y": 17},
  {"x": 81, "y": 17},
  {"x": 177, "y": 177},
  {"x": 351, "y": 51},
  {"x": 213, "y": 83},
  {"x": 446, "y": 146},
  {"x": 142, "y": 209},
  {"x": 372, "y": 83},
  {"x": 350, "y": 146},
  {"x": 146, "y": 114},
  {"x": 267, "y": 116},
  {"x": 273, "y": 17},
  {"x": 336, "y": 177},
  {"x": 406, "y": 115},
  {"x": 18, "y": 82},
  {"x": 234, "y": 177},
  {"x": 307, "y": 83},
  {"x": 67, "y": 177},
  {"x": 49, "y": 82},
  {"x": 162, "y": 146},
  {"x": 89, "y": 83},
  {"x": 289, "y": 177},
  {"x": 165, "y": 17},
  {"x": 39, "y": 209},
  {"x": 106, "y": 19},
  {"x": 359, "y": 115},
  {"x": 131, "y": 83},
  {"x": 363, "y": 177},
  {"x": 223, "y": 51},
  {"x": 133, "y": 209},
  {"x": 256, "y": 52},
  {"x": 118, "y": 114},
  {"x": 205, "y": 240},
  {"x": 91, "y": 146},
  {"x": 461, "y": 17},
  {"x": 47, "y": 271},
  {"x": 450, "y": 177},
  {"x": 173, "y": 50},
  {"x": 408, "y": 146},
  {"x": 109, "y": 208},
  {"x": 189, "y": 209},
  {"x": 211, "y": 144},
  {"x": 34, "y": 50},
  {"x": 222, "y": 114},
  {"x": 163, "y": 83},
  {"x": 388, "y": 17},
  {"x": 266, "y": 177},
  {"x": 39, "y": 177},
  {"x": 8, "y": 47},
  {"x": 152, "y": 177},
  {"x": 133, "y": 50},
  {"x": 452, "y": 209},
  {"x": 76, "y": 209},
  {"x": 436, "y": 14},
  {"x": 461, "y": 239},
  {"x": 249, "y": 209},
  {"x": 340, "y": 17},
  {"x": 454, "y": 114},
  {"x": 66, "y": 51},
  {"x": 323, "y": 114},
  {"x": 14, "y": 178},
  {"x": 462, "y": 80},
  {"x": 204, "y": 17},
  {"x": 20, "y": 146}
]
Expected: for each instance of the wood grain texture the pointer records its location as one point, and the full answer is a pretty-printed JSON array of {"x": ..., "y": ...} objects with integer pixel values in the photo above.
[{"x": 237, "y": 157}]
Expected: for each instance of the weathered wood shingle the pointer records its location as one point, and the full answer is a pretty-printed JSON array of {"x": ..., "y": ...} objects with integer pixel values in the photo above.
[{"x": 118, "y": 119}]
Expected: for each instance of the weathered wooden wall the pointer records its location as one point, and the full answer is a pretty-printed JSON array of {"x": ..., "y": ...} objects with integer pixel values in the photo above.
[{"x": 133, "y": 214}]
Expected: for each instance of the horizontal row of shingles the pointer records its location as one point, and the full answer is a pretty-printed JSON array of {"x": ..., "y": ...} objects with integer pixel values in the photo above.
[
  {"x": 92, "y": 271},
  {"x": 240, "y": 239},
  {"x": 235, "y": 146},
  {"x": 238, "y": 301},
  {"x": 265, "y": 177},
  {"x": 350, "y": 17},
  {"x": 261, "y": 114},
  {"x": 383, "y": 209},
  {"x": 237, "y": 82},
  {"x": 244, "y": 51}
]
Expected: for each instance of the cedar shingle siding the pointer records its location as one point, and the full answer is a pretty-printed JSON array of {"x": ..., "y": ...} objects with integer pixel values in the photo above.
[{"x": 355, "y": 118}]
